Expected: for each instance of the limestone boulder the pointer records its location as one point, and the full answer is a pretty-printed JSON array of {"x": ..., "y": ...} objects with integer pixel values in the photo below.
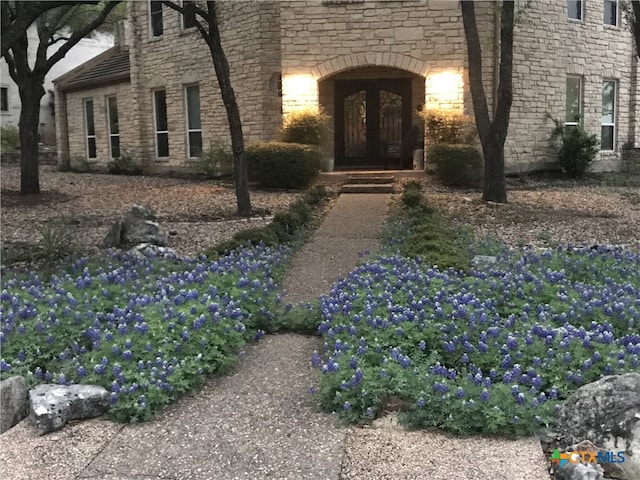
[
  {"x": 579, "y": 471},
  {"x": 138, "y": 225},
  {"x": 146, "y": 250},
  {"x": 14, "y": 402},
  {"x": 52, "y": 406},
  {"x": 606, "y": 413}
]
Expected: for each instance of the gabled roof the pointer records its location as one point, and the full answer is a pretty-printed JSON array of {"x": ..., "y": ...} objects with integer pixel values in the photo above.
[{"x": 107, "y": 68}]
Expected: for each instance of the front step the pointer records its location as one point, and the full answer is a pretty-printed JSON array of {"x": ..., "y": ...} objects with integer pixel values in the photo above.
[
  {"x": 370, "y": 179},
  {"x": 367, "y": 188},
  {"x": 368, "y": 183}
]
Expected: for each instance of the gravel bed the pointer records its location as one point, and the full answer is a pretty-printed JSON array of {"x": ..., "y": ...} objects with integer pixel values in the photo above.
[
  {"x": 198, "y": 213},
  {"x": 546, "y": 213}
]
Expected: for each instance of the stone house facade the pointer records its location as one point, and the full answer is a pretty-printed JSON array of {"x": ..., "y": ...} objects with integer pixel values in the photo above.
[{"x": 371, "y": 65}]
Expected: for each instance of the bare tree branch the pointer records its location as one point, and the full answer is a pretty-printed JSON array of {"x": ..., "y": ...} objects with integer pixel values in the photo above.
[
  {"x": 80, "y": 34},
  {"x": 53, "y": 41}
]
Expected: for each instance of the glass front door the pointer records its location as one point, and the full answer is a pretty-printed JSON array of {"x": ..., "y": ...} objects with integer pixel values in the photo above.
[{"x": 373, "y": 118}]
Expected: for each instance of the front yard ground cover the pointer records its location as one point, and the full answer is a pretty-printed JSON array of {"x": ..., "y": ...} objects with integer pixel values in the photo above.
[
  {"x": 146, "y": 330},
  {"x": 493, "y": 350}
]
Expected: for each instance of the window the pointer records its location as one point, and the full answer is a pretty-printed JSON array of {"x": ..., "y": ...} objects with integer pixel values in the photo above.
[
  {"x": 573, "y": 111},
  {"x": 575, "y": 9},
  {"x": 114, "y": 128},
  {"x": 611, "y": 12},
  {"x": 194, "y": 127},
  {"x": 4, "y": 99},
  {"x": 90, "y": 128},
  {"x": 162, "y": 129},
  {"x": 189, "y": 18},
  {"x": 608, "y": 131},
  {"x": 155, "y": 18}
]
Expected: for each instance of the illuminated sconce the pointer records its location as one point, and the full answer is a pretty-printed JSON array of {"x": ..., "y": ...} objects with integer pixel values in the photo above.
[
  {"x": 299, "y": 92},
  {"x": 445, "y": 90}
]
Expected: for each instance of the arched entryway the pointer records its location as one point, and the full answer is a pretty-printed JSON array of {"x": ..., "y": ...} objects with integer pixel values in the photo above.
[{"x": 375, "y": 116}]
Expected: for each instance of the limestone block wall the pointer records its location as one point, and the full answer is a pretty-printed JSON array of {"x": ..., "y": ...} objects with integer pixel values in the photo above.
[
  {"x": 75, "y": 125},
  {"x": 249, "y": 31},
  {"x": 324, "y": 41},
  {"x": 548, "y": 47}
]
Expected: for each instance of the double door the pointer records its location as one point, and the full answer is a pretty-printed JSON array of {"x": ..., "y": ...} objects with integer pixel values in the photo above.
[{"x": 373, "y": 123}]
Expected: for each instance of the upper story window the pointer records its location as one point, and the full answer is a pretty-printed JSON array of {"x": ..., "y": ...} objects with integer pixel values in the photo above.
[
  {"x": 155, "y": 18},
  {"x": 573, "y": 111},
  {"x": 189, "y": 18},
  {"x": 608, "y": 124},
  {"x": 575, "y": 9},
  {"x": 4, "y": 99},
  {"x": 611, "y": 12}
]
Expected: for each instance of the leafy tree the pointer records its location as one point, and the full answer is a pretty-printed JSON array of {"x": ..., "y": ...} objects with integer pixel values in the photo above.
[
  {"x": 52, "y": 20},
  {"x": 206, "y": 21},
  {"x": 492, "y": 132}
]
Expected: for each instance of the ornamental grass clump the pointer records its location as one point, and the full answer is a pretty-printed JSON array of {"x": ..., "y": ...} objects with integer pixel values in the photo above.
[
  {"x": 493, "y": 352},
  {"x": 147, "y": 331}
]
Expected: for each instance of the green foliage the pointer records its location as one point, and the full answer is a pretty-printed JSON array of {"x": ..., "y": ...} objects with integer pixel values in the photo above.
[
  {"x": 76, "y": 164},
  {"x": 419, "y": 231},
  {"x": 125, "y": 164},
  {"x": 493, "y": 352},
  {"x": 215, "y": 162},
  {"x": 457, "y": 165},
  {"x": 303, "y": 319},
  {"x": 315, "y": 195},
  {"x": 55, "y": 244},
  {"x": 283, "y": 165},
  {"x": 56, "y": 241},
  {"x": 578, "y": 149},
  {"x": 77, "y": 17},
  {"x": 413, "y": 185},
  {"x": 286, "y": 227},
  {"x": 307, "y": 127},
  {"x": 10, "y": 138},
  {"x": 195, "y": 327},
  {"x": 411, "y": 198},
  {"x": 445, "y": 126}
]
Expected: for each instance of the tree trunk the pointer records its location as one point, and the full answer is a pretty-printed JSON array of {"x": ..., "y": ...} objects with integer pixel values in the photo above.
[
  {"x": 492, "y": 133},
  {"x": 31, "y": 92},
  {"x": 221, "y": 66},
  {"x": 494, "y": 188}
]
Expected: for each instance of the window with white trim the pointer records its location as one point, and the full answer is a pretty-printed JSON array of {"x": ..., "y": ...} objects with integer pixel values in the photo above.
[
  {"x": 162, "y": 127},
  {"x": 194, "y": 125},
  {"x": 4, "y": 99},
  {"x": 608, "y": 123},
  {"x": 114, "y": 127},
  {"x": 611, "y": 12},
  {"x": 90, "y": 128},
  {"x": 575, "y": 9},
  {"x": 155, "y": 18},
  {"x": 189, "y": 18},
  {"x": 573, "y": 111}
]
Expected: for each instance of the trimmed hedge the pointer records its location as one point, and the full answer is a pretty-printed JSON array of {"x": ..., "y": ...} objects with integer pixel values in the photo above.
[
  {"x": 283, "y": 165},
  {"x": 457, "y": 165}
]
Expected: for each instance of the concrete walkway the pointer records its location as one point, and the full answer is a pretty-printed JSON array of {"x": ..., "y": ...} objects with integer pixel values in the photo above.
[{"x": 259, "y": 423}]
